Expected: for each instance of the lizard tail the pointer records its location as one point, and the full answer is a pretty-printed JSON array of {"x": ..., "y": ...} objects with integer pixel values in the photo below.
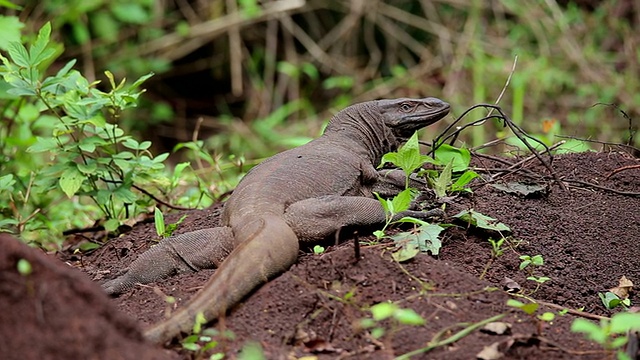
[{"x": 267, "y": 248}]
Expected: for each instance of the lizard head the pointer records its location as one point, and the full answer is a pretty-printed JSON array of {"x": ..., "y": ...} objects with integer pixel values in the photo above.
[{"x": 404, "y": 116}]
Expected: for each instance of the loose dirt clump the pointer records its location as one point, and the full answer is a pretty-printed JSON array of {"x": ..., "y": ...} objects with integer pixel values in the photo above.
[
  {"x": 588, "y": 236},
  {"x": 56, "y": 312}
]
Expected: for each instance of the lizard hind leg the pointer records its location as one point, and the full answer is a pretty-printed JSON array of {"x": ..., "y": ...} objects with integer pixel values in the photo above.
[{"x": 188, "y": 252}]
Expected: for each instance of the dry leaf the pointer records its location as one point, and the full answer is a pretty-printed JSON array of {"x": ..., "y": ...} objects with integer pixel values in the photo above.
[
  {"x": 624, "y": 287},
  {"x": 497, "y": 328}
]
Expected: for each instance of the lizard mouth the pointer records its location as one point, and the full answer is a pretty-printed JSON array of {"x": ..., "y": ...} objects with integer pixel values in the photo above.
[{"x": 427, "y": 114}]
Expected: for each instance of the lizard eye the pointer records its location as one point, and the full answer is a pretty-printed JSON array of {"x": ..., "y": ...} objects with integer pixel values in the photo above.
[{"x": 406, "y": 107}]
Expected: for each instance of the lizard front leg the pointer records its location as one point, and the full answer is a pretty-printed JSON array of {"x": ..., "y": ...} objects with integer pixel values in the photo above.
[
  {"x": 189, "y": 252},
  {"x": 317, "y": 218}
]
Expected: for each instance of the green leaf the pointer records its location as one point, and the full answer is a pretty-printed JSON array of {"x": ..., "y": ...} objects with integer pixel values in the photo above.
[
  {"x": 547, "y": 316},
  {"x": 24, "y": 267},
  {"x": 18, "y": 54},
  {"x": 409, "y": 157},
  {"x": 288, "y": 69},
  {"x": 9, "y": 5},
  {"x": 406, "y": 252},
  {"x": 383, "y": 310},
  {"x": 338, "y": 82},
  {"x": 464, "y": 180},
  {"x": 402, "y": 201},
  {"x": 311, "y": 70},
  {"x": 125, "y": 194},
  {"x": 87, "y": 246},
  {"x": 482, "y": 221},
  {"x": 537, "y": 260},
  {"x": 190, "y": 346},
  {"x": 89, "y": 168},
  {"x": 159, "y": 221},
  {"x": 610, "y": 300},
  {"x": 10, "y": 27},
  {"x": 42, "y": 145},
  {"x": 131, "y": 143},
  {"x": 442, "y": 184},
  {"x": 130, "y": 12},
  {"x": 38, "y": 52},
  {"x": 530, "y": 308},
  {"x": 460, "y": 158},
  {"x": 409, "y": 317},
  {"x": 111, "y": 225},
  {"x": 160, "y": 158},
  {"x": 71, "y": 181},
  {"x": 251, "y": 351},
  {"x": 592, "y": 331},
  {"x": 139, "y": 82},
  {"x": 625, "y": 321},
  {"x": 7, "y": 182},
  {"x": 104, "y": 26},
  {"x": 426, "y": 238},
  {"x": 377, "y": 332}
]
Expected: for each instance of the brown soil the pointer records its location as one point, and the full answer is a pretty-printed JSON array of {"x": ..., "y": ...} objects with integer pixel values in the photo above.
[{"x": 588, "y": 238}]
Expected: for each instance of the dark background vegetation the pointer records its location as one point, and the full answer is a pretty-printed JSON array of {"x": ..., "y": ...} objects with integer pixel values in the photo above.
[
  {"x": 250, "y": 78},
  {"x": 261, "y": 74}
]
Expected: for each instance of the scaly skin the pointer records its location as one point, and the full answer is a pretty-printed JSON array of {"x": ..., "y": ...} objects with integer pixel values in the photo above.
[{"x": 303, "y": 194}]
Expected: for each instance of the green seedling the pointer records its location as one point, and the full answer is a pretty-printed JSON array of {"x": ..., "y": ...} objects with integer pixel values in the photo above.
[
  {"x": 482, "y": 221},
  {"x": 162, "y": 229},
  {"x": 496, "y": 251},
  {"x": 203, "y": 340},
  {"x": 425, "y": 236},
  {"x": 531, "y": 309},
  {"x": 530, "y": 264},
  {"x": 611, "y": 334},
  {"x": 24, "y": 267},
  {"x": 611, "y": 300},
  {"x": 496, "y": 247},
  {"x": 397, "y": 315},
  {"x": 536, "y": 260},
  {"x": 318, "y": 249},
  {"x": 454, "y": 177}
]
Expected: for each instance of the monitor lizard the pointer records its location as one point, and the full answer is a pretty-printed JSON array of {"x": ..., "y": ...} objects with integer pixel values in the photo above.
[{"x": 304, "y": 194}]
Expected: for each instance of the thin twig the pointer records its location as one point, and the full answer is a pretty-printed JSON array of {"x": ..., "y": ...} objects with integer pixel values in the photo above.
[
  {"x": 156, "y": 199},
  {"x": 588, "y": 184},
  {"x": 624, "y": 168},
  {"x": 506, "y": 84}
]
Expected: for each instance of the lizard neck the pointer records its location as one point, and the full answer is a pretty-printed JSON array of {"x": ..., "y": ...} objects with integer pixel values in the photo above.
[{"x": 362, "y": 126}]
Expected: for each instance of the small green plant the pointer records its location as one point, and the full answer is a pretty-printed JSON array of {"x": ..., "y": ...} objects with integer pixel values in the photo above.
[
  {"x": 24, "y": 267},
  {"x": 496, "y": 251},
  {"x": 530, "y": 309},
  {"x": 318, "y": 249},
  {"x": 397, "y": 315},
  {"x": 496, "y": 247},
  {"x": 611, "y": 300},
  {"x": 531, "y": 264},
  {"x": 454, "y": 176},
  {"x": 611, "y": 334},
  {"x": 536, "y": 260},
  {"x": 482, "y": 221},
  {"x": 203, "y": 340},
  {"x": 425, "y": 236},
  {"x": 162, "y": 229}
]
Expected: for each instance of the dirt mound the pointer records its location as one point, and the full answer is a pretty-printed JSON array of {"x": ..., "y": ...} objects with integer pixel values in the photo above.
[
  {"x": 588, "y": 236},
  {"x": 56, "y": 312}
]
